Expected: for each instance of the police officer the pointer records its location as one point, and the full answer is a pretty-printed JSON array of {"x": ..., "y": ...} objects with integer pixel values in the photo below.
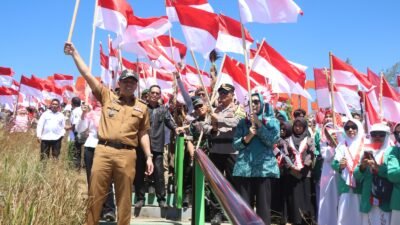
[{"x": 124, "y": 122}]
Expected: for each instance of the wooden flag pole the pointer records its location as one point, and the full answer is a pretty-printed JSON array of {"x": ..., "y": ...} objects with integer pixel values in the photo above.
[
  {"x": 380, "y": 97},
  {"x": 330, "y": 82},
  {"x": 71, "y": 28},
  {"x": 201, "y": 78}
]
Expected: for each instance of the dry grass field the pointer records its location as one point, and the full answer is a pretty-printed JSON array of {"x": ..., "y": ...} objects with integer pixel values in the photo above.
[{"x": 35, "y": 192}]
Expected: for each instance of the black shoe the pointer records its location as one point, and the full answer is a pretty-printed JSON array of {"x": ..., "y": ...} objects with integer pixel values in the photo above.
[
  {"x": 139, "y": 204},
  {"x": 162, "y": 204},
  {"x": 109, "y": 216},
  {"x": 217, "y": 219}
]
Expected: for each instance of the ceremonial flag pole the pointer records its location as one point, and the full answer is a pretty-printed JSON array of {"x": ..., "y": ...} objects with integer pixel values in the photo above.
[
  {"x": 71, "y": 28},
  {"x": 330, "y": 82},
  {"x": 200, "y": 77}
]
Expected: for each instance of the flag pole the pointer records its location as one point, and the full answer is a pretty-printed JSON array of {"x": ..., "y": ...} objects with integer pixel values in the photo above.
[
  {"x": 175, "y": 85},
  {"x": 200, "y": 77},
  {"x": 138, "y": 74},
  {"x": 71, "y": 28},
  {"x": 213, "y": 96},
  {"x": 380, "y": 97},
  {"x": 257, "y": 53},
  {"x": 330, "y": 83},
  {"x": 91, "y": 50}
]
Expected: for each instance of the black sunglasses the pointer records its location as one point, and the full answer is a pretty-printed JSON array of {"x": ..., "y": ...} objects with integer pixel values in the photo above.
[
  {"x": 379, "y": 134},
  {"x": 347, "y": 127},
  {"x": 255, "y": 102},
  {"x": 198, "y": 107}
]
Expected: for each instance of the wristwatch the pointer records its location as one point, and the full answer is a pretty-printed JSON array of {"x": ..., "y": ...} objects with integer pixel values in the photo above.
[{"x": 149, "y": 156}]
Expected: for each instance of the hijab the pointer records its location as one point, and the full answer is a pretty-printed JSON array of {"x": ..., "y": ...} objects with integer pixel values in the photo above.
[{"x": 297, "y": 138}]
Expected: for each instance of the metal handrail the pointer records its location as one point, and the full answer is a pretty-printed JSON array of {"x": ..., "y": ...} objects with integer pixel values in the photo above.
[{"x": 236, "y": 208}]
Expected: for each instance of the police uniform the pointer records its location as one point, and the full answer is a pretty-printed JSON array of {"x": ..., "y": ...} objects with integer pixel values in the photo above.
[{"x": 115, "y": 155}]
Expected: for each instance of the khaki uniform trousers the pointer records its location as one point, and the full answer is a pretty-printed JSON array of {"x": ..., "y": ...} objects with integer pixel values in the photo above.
[{"x": 111, "y": 164}]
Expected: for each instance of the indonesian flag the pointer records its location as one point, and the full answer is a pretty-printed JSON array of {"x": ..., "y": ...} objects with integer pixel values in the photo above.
[
  {"x": 372, "y": 114},
  {"x": 398, "y": 82},
  {"x": 343, "y": 73},
  {"x": 49, "y": 89},
  {"x": 190, "y": 76},
  {"x": 8, "y": 97},
  {"x": 390, "y": 102},
  {"x": 68, "y": 93},
  {"x": 105, "y": 74},
  {"x": 141, "y": 29},
  {"x": 323, "y": 95},
  {"x": 232, "y": 73},
  {"x": 199, "y": 4},
  {"x": 269, "y": 11},
  {"x": 31, "y": 87},
  {"x": 113, "y": 15},
  {"x": 285, "y": 77},
  {"x": 199, "y": 27},
  {"x": 113, "y": 64},
  {"x": 15, "y": 85},
  {"x": 158, "y": 58},
  {"x": 230, "y": 36},
  {"x": 6, "y": 76},
  {"x": 174, "y": 49},
  {"x": 63, "y": 80},
  {"x": 374, "y": 79}
]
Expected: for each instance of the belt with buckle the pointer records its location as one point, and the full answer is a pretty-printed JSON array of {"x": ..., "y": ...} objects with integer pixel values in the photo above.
[{"x": 116, "y": 145}]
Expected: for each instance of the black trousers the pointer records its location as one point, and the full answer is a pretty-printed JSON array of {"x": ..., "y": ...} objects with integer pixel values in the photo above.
[
  {"x": 109, "y": 204},
  {"x": 256, "y": 189},
  {"x": 46, "y": 146},
  {"x": 77, "y": 152},
  {"x": 158, "y": 176}
]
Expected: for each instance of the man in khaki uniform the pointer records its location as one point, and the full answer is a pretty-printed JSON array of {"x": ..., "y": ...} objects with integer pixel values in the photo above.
[{"x": 124, "y": 122}]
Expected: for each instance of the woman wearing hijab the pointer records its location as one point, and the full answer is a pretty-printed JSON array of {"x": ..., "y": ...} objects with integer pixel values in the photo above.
[
  {"x": 329, "y": 197},
  {"x": 297, "y": 185},
  {"x": 372, "y": 173},
  {"x": 255, "y": 166},
  {"x": 347, "y": 156},
  {"x": 392, "y": 160},
  {"x": 21, "y": 122}
]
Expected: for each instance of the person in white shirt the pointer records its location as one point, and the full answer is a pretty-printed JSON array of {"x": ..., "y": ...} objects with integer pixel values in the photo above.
[
  {"x": 50, "y": 131},
  {"x": 76, "y": 114}
]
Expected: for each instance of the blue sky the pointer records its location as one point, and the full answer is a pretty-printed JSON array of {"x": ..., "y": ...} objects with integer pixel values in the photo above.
[{"x": 33, "y": 33}]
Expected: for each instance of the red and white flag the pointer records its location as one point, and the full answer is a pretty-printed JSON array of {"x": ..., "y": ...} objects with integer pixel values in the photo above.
[
  {"x": 68, "y": 93},
  {"x": 398, "y": 82},
  {"x": 15, "y": 85},
  {"x": 372, "y": 112},
  {"x": 323, "y": 94},
  {"x": 343, "y": 73},
  {"x": 390, "y": 102},
  {"x": 8, "y": 97},
  {"x": 30, "y": 87},
  {"x": 6, "y": 76},
  {"x": 141, "y": 29},
  {"x": 199, "y": 27},
  {"x": 49, "y": 89},
  {"x": 230, "y": 36},
  {"x": 113, "y": 15},
  {"x": 190, "y": 76},
  {"x": 105, "y": 74},
  {"x": 63, "y": 80},
  {"x": 199, "y": 4},
  {"x": 374, "y": 79},
  {"x": 284, "y": 76},
  {"x": 175, "y": 49},
  {"x": 157, "y": 56},
  {"x": 269, "y": 11}
]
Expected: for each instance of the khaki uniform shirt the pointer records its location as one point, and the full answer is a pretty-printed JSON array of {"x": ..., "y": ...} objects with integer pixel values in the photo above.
[{"x": 121, "y": 121}]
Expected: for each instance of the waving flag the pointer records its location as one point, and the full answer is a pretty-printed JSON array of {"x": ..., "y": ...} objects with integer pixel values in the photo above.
[
  {"x": 199, "y": 4},
  {"x": 174, "y": 49},
  {"x": 6, "y": 76},
  {"x": 190, "y": 76},
  {"x": 343, "y": 73},
  {"x": 113, "y": 15},
  {"x": 8, "y": 97},
  {"x": 105, "y": 74},
  {"x": 199, "y": 27},
  {"x": 63, "y": 80},
  {"x": 141, "y": 29},
  {"x": 15, "y": 85},
  {"x": 31, "y": 87},
  {"x": 230, "y": 36},
  {"x": 158, "y": 58},
  {"x": 390, "y": 102},
  {"x": 372, "y": 114},
  {"x": 269, "y": 11}
]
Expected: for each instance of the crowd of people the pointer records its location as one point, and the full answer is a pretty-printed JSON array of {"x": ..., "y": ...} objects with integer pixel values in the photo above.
[{"x": 303, "y": 170}]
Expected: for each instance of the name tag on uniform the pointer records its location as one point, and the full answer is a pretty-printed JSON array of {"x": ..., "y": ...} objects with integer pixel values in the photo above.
[
  {"x": 112, "y": 112},
  {"x": 138, "y": 109}
]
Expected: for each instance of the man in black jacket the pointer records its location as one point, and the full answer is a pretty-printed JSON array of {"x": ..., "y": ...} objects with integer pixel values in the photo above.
[{"x": 159, "y": 118}]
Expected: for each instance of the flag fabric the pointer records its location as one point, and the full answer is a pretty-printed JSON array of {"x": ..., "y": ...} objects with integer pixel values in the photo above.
[
  {"x": 63, "y": 79},
  {"x": 31, "y": 88},
  {"x": 374, "y": 79},
  {"x": 269, "y": 11},
  {"x": 105, "y": 74},
  {"x": 113, "y": 15},
  {"x": 343, "y": 73},
  {"x": 230, "y": 36},
  {"x": 142, "y": 29},
  {"x": 158, "y": 57},
  {"x": 323, "y": 95},
  {"x": 49, "y": 89},
  {"x": 390, "y": 102},
  {"x": 199, "y": 27},
  {"x": 398, "y": 82},
  {"x": 174, "y": 49},
  {"x": 6, "y": 76},
  {"x": 199, "y": 4},
  {"x": 285, "y": 77},
  {"x": 15, "y": 85},
  {"x": 371, "y": 112},
  {"x": 190, "y": 76},
  {"x": 68, "y": 93},
  {"x": 8, "y": 97}
]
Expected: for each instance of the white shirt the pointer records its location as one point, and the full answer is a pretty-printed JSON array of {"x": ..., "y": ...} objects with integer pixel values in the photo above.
[
  {"x": 87, "y": 124},
  {"x": 76, "y": 116},
  {"x": 51, "y": 126}
]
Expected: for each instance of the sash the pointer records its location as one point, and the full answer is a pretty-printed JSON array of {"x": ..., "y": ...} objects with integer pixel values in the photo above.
[
  {"x": 298, "y": 163},
  {"x": 352, "y": 162}
]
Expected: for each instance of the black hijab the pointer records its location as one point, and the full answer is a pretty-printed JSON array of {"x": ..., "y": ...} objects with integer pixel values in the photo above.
[{"x": 297, "y": 138}]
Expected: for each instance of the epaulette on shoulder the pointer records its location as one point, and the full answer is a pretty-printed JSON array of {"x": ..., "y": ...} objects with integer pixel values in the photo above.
[{"x": 142, "y": 101}]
